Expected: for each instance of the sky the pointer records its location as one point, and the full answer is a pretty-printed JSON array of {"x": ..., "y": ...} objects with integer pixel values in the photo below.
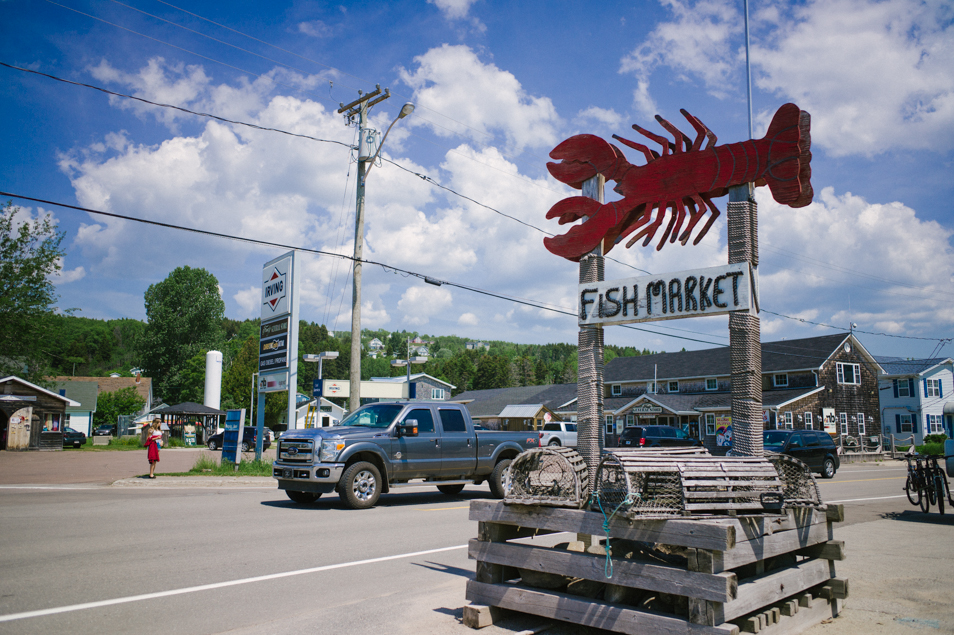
[{"x": 496, "y": 86}]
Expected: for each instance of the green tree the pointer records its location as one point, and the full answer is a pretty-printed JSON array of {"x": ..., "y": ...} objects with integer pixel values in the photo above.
[
  {"x": 493, "y": 371},
  {"x": 184, "y": 314},
  {"x": 110, "y": 405},
  {"x": 30, "y": 254},
  {"x": 237, "y": 385}
]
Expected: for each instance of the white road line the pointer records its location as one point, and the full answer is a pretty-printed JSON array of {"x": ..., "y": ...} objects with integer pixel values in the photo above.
[
  {"x": 876, "y": 469},
  {"x": 218, "y": 585},
  {"x": 876, "y": 498},
  {"x": 57, "y": 487}
]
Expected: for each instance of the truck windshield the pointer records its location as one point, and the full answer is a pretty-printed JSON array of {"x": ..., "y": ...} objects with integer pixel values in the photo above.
[{"x": 373, "y": 416}]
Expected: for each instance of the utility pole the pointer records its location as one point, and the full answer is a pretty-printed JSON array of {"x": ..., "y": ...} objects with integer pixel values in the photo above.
[{"x": 360, "y": 107}]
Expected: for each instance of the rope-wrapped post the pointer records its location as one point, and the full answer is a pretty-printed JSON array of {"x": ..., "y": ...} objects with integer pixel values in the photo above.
[
  {"x": 590, "y": 359},
  {"x": 744, "y": 329}
]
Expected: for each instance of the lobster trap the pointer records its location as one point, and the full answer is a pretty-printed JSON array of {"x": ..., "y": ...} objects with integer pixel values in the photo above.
[
  {"x": 556, "y": 477},
  {"x": 798, "y": 483},
  {"x": 657, "y": 484}
]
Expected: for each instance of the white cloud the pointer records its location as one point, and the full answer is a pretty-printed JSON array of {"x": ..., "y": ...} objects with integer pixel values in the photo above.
[
  {"x": 606, "y": 116},
  {"x": 249, "y": 300},
  {"x": 855, "y": 261},
  {"x": 420, "y": 303},
  {"x": 874, "y": 75},
  {"x": 468, "y": 319},
  {"x": 483, "y": 99},
  {"x": 453, "y": 9},
  {"x": 66, "y": 276},
  {"x": 697, "y": 43},
  {"x": 315, "y": 28}
]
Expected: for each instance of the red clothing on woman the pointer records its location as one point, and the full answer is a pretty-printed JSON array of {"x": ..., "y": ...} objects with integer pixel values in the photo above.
[{"x": 152, "y": 452}]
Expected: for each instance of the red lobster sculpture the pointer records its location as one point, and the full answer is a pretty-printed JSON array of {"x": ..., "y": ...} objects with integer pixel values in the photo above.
[{"x": 685, "y": 178}]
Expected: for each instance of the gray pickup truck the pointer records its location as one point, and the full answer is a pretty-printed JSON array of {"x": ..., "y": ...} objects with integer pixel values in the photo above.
[{"x": 388, "y": 444}]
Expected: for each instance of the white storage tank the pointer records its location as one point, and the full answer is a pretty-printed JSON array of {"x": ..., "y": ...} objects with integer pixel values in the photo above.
[{"x": 213, "y": 379}]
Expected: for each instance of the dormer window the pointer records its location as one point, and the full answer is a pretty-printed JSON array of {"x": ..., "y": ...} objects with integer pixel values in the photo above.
[
  {"x": 780, "y": 381},
  {"x": 674, "y": 386},
  {"x": 616, "y": 390},
  {"x": 712, "y": 384}
]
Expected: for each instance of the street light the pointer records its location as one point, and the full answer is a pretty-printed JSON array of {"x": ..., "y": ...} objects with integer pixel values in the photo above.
[
  {"x": 408, "y": 362},
  {"x": 365, "y": 137},
  {"x": 310, "y": 357}
]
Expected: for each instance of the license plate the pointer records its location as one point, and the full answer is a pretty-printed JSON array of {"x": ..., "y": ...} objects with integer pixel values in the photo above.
[{"x": 287, "y": 473}]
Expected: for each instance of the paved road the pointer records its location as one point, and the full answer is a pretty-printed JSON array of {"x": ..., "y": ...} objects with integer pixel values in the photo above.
[{"x": 164, "y": 557}]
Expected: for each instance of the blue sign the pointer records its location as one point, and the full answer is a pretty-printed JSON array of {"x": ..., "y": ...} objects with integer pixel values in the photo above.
[
  {"x": 232, "y": 438},
  {"x": 316, "y": 388}
]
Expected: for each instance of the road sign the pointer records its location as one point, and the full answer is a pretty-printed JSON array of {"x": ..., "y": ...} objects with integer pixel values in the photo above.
[{"x": 232, "y": 438}]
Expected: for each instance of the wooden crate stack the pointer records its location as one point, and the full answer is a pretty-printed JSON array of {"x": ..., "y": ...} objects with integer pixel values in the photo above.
[{"x": 739, "y": 572}]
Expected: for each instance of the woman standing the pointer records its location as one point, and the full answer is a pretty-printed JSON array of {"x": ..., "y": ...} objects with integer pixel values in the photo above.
[{"x": 153, "y": 443}]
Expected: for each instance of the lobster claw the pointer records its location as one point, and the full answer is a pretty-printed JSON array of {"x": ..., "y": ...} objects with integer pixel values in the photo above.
[{"x": 583, "y": 157}]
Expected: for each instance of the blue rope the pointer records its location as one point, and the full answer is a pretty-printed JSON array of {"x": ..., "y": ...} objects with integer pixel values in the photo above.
[{"x": 608, "y": 566}]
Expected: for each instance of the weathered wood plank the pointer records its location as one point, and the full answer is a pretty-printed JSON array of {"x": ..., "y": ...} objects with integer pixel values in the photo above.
[
  {"x": 773, "y": 545},
  {"x": 666, "y": 579},
  {"x": 836, "y": 588},
  {"x": 569, "y": 608},
  {"x": 831, "y": 550},
  {"x": 481, "y": 616},
  {"x": 776, "y": 586},
  {"x": 685, "y": 533},
  {"x": 836, "y": 513}
]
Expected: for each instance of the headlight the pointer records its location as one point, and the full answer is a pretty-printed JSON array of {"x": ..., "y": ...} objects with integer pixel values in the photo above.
[{"x": 330, "y": 448}]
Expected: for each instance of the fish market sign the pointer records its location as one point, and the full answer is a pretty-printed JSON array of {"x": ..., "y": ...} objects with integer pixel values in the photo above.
[{"x": 693, "y": 293}]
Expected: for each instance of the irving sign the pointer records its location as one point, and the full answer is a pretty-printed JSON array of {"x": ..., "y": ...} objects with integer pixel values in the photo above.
[{"x": 698, "y": 292}]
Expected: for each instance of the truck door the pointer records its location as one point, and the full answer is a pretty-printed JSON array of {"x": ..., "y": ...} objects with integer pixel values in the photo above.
[
  {"x": 459, "y": 445},
  {"x": 419, "y": 456}
]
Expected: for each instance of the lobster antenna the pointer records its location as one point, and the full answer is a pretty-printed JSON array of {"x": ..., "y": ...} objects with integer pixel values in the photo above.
[{"x": 748, "y": 66}]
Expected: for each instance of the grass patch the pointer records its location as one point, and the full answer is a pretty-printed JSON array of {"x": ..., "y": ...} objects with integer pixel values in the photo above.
[{"x": 206, "y": 465}]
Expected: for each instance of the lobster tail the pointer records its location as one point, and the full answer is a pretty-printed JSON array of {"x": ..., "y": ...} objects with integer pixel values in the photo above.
[{"x": 789, "y": 172}]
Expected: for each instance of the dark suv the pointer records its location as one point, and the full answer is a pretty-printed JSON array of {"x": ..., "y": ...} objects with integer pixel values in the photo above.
[
  {"x": 814, "y": 448},
  {"x": 654, "y": 437}
]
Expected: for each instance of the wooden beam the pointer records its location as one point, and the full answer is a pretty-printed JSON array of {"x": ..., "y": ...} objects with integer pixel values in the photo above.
[
  {"x": 809, "y": 614},
  {"x": 481, "y": 616},
  {"x": 836, "y": 513},
  {"x": 686, "y": 533},
  {"x": 720, "y": 587},
  {"x": 775, "y": 544},
  {"x": 776, "y": 586},
  {"x": 586, "y": 612},
  {"x": 831, "y": 550}
]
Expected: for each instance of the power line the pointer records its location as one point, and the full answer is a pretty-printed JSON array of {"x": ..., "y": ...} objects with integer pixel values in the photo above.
[
  {"x": 424, "y": 177},
  {"x": 903, "y": 337}
]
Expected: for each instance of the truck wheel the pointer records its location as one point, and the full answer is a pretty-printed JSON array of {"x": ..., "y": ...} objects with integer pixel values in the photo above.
[
  {"x": 497, "y": 478},
  {"x": 361, "y": 485},
  {"x": 450, "y": 490},
  {"x": 554, "y": 443},
  {"x": 302, "y": 497}
]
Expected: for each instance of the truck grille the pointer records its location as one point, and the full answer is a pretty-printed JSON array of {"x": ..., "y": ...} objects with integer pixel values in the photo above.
[{"x": 296, "y": 451}]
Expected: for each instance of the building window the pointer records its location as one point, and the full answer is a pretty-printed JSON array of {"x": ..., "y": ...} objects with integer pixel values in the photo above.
[
  {"x": 651, "y": 388},
  {"x": 934, "y": 423},
  {"x": 617, "y": 390},
  {"x": 933, "y": 387},
  {"x": 630, "y": 421},
  {"x": 843, "y": 420},
  {"x": 712, "y": 384},
  {"x": 905, "y": 423},
  {"x": 437, "y": 394},
  {"x": 787, "y": 417},
  {"x": 809, "y": 424},
  {"x": 861, "y": 424},
  {"x": 710, "y": 424},
  {"x": 608, "y": 420},
  {"x": 674, "y": 386},
  {"x": 780, "y": 381},
  {"x": 848, "y": 373},
  {"x": 903, "y": 390}
]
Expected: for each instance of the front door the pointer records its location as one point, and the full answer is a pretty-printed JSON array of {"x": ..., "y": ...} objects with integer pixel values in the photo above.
[{"x": 421, "y": 455}]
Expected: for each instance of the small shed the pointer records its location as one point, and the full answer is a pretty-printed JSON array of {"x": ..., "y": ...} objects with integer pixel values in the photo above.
[
  {"x": 526, "y": 417},
  {"x": 205, "y": 419},
  {"x": 31, "y": 417}
]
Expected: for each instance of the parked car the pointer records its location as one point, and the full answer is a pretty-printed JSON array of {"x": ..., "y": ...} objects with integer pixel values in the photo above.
[
  {"x": 73, "y": 437},
  {"x": 105, "y": 430},
  {"x": 558, "y": 433},
  {"x": 655, "y": 437},
  {"x": 814, "y": 448},
  {"x": 248, "y": 440}
]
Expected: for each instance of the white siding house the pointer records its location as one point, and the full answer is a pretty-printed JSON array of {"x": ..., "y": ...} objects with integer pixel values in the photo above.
[{"x": 917, "y": 397}]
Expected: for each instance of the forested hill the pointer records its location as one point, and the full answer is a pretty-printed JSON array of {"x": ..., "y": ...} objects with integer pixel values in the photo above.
[{"x": 89, "y": 347}]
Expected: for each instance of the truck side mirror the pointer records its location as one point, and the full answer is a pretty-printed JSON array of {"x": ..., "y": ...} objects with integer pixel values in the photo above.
[{"x": 408, "y": 428}]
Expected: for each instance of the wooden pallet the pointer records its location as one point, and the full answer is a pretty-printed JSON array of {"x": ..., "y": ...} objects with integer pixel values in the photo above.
[{"x": 728, "y": 580}]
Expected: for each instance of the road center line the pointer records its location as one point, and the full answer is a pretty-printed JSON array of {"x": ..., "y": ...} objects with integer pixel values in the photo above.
[
  {"x": 876, "y": 498},
  {"x": 217, "y": 585},
  {"x": 865, "y": 480}
]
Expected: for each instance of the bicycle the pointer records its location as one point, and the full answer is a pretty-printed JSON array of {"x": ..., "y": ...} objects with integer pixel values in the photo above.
[
  {"x": 916, "y": 482},
  {"x": 938, "y": 487}
]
